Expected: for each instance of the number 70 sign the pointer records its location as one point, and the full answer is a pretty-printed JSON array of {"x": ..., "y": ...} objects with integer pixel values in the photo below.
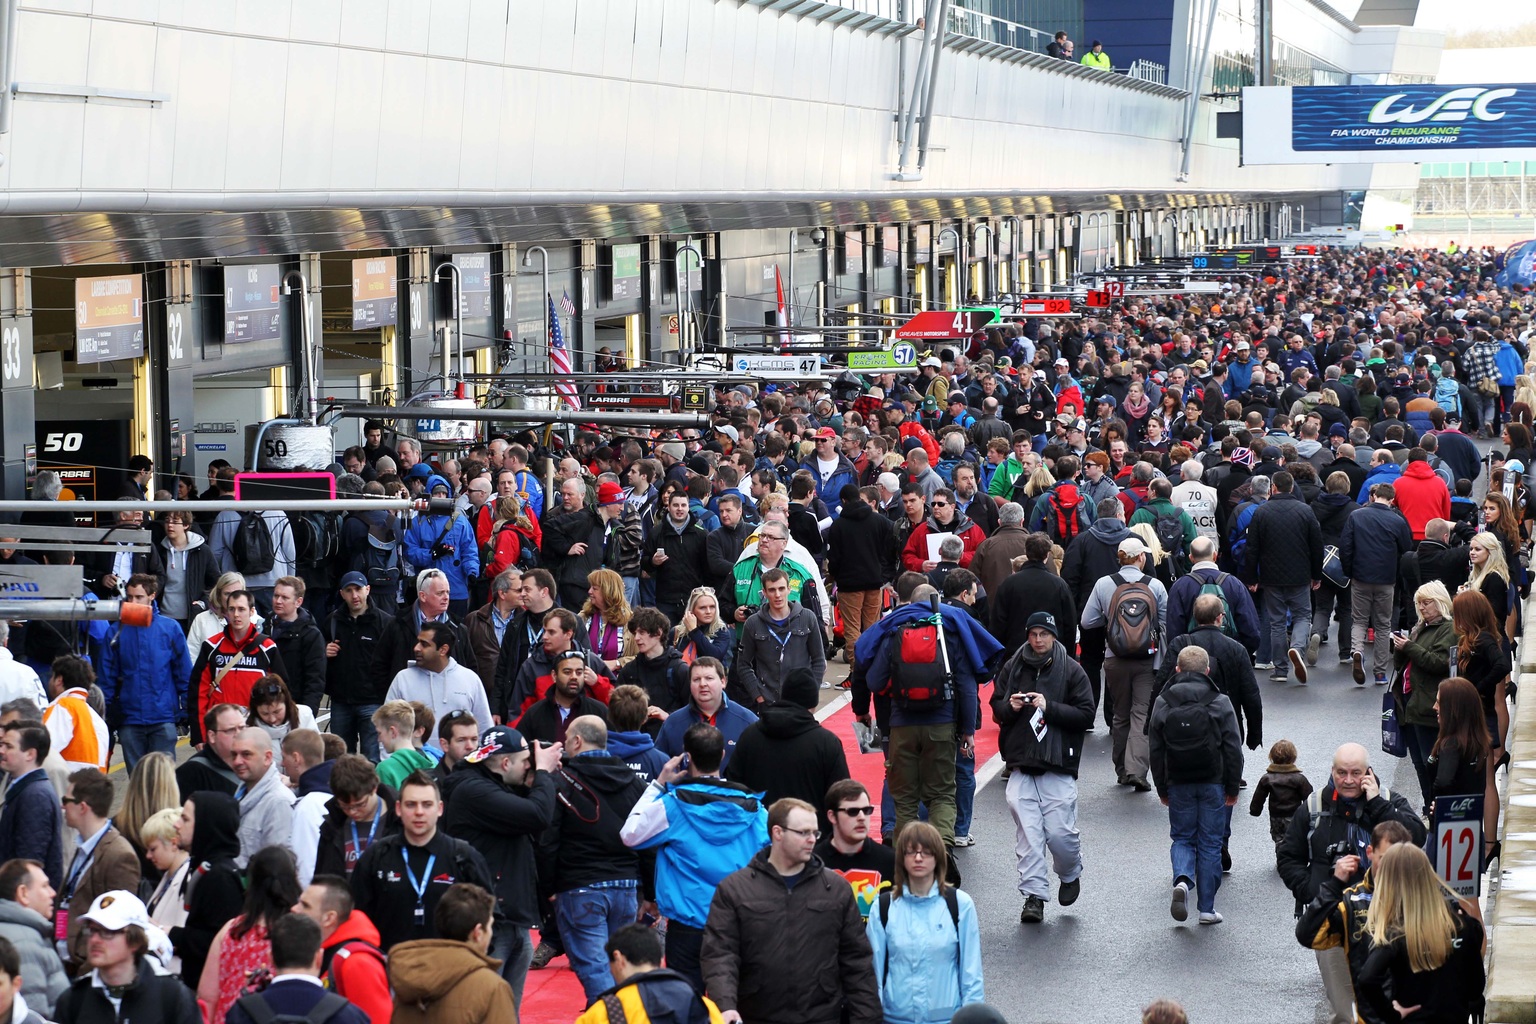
[{"x": 1458, "y": 842}]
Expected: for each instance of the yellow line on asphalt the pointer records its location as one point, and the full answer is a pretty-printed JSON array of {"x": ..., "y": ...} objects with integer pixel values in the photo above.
[{"x": 183, "y": 741}]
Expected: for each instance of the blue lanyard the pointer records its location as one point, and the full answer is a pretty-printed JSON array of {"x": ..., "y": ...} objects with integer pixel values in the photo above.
[
  {"x": 421, "y": 886},
  {"x": 358, "y": 850}
]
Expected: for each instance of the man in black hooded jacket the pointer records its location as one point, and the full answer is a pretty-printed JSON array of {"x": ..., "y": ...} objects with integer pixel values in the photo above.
[
  {"x": 214, "y": 892},
  {"x": 786, "y": 752},
  {"x": 1230, "y": 670}
]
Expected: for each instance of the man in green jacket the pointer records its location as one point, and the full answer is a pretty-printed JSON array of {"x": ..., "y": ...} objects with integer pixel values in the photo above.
[
  {"x": 1159, "y": 503},
  {"x": 1020, "y": 464}
]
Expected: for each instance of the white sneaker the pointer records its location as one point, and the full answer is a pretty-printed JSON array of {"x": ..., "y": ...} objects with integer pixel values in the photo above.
[
  {"x": 1263, "y": 666},
  {"x": 1210, "y": 918},
  {"x": 965, "y": 840},
  {"x": 1179, "y": 906}
]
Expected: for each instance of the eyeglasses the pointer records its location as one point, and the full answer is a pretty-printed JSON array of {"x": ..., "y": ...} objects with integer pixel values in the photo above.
[
  {"x": 854, "y": 812},
  {"x": 230, "y": 731},
  {"x": 97, "y": 931},
  {"x": 811, "y": 834}
]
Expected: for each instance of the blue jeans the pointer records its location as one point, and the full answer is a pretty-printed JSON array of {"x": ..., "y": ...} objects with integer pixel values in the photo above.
[
  {"x": 965, "y": 793},
  {"x": 1197, "y": 820},
  {"x": 512, "y": 945},
  {"x": 354, "y": 724},
  {"x": 138, "y": 740},
  {"x": 587, "y": 917},
  {"x": 1298, "y": 602}
]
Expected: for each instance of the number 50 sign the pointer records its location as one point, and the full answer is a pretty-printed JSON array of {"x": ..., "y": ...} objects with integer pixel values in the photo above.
[{"x": 1458, "y": 842}]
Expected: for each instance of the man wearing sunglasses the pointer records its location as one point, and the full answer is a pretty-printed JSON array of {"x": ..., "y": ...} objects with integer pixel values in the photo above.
[{"x": 847, "y": 849}]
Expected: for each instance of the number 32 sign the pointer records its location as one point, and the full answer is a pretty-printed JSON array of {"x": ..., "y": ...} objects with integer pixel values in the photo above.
[{"x": 1458, "y": 842}]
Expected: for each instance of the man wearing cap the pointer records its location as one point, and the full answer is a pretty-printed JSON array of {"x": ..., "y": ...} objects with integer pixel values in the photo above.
[
  {"x": 896, "y": 416},
  {"x": 1128, "y": 675},
  {"x": 1240, "y": 369},
  {"x": 501, "y": 801},
  {"x": 1042, "y": 703},
  {"x": 932, "y": 381},
  {"x": 353, "y": 633},
  {"x": 445, "y": 542},
  {"x": 957, "y": 412},
  {"x": 832, "y": 469},
  {"x": 671, "y": 455},
  {"x": 121, "y": 984}
]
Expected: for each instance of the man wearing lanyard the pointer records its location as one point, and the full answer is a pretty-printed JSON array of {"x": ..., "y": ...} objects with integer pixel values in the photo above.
[
  {"x": 400, "y": 878},
  {"x": 103, "y": 862},
  {"x": 360, "y": 812}
]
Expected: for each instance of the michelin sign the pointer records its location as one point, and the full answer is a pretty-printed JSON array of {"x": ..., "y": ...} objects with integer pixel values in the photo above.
[{"x": 1387, "y": 124}]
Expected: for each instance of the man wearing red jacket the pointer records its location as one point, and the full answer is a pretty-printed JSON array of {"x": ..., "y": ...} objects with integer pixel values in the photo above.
[
  {"x": 1421, "y": 494},
  {"x": 945, "y": 518},
  {"x": 232, "y": 662},
  {"x": 353, "y": 964},
  {"x": 896, "y": 416}
]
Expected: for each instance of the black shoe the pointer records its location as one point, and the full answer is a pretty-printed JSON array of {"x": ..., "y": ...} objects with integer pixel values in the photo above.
[
  {"x": 1226, "y": 859},
  {"x": 1033, "y": 912},
  {"x": 1140, "y": 784},
  {"x": 542, "y": 956},
  {"x": 952, "y": 871},
  {"x": 1495, "y": 848},
  {"x": 1069, "y": 891},
  {"x": 1242, "y": 783}
]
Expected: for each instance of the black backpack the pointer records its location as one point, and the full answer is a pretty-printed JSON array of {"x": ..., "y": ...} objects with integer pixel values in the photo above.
[
  {"x": 252, "y": 548},
  {"x": 1192, "y": 740},
  {"x": 261, "y": 1011},
  {"x": 921, "y": 679},
  {"x": 1169, "y": 528},
  {"x": 316, "y": 542}
]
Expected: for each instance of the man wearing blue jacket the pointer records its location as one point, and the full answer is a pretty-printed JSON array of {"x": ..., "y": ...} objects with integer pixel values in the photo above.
[
  {"x": 832, "y": 469},
  {"x": 31, "y": 821},
  {"x": 144, "y": 674},
  {"x": 709, "y": 705},
  {"x": 924, "y": 742},
  {"x": 703, "y": 828},
  {"x": 447, "y": 543}
]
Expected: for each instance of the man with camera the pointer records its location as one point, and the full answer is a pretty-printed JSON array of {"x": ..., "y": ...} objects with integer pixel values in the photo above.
[
  {"x": 1335, "y": 823},
  {"x": 500, "y": 802}
]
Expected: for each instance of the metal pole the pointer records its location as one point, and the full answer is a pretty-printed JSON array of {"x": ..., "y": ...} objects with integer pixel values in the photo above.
[
  {"x": 306, "y": 342},
  {"x": 933, "y": 83},
  {"x": 1194, "y": 93},
  {"x": 682, "y": 285},
  {"x": 1077, "y": 246},
  {"x": 220, "y": 505},
  {"x": 959, "y": 243},
  {"x": 986, "y": 274},
  {"x": 789, "y": 303},
  {"x": 458, "y": 317},
  {"x": 601, "y": 417},
  {"x": 925, "y": 55},
  {"x": 64, "y": 608},
  {"x": 8, "y": 33},
  {"x": 543, "y": 306}
]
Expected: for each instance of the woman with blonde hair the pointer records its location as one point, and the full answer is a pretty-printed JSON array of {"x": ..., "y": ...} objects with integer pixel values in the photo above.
[
  {"x": 1428, "y": 949},
  {"x": 152, "y": 788},
  {"x": 701, "y": 632},
  {"x": 1490, "y": 573},
  {"x": 1421, "y": 658},
  {"x": 927, "y": 957},
  {"x": 167, "y": 904},
  {"x": 605, "y": 615},
  {"x": 211, "y": 622},
  {"x": 1158, "y": 566}
]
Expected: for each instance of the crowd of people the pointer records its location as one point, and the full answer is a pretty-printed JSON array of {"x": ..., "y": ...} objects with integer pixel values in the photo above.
[{"x": 575, "y": 692}]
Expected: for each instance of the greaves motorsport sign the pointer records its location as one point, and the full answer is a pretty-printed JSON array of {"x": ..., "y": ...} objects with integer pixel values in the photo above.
[{"x": 1387, "y": 123}]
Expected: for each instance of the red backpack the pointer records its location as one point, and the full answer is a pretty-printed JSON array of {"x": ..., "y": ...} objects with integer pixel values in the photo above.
[{"x": 1063, "y": 518}]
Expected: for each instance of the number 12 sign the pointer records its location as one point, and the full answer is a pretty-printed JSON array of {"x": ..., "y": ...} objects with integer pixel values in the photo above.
[{"x": 1458, "y": 842}]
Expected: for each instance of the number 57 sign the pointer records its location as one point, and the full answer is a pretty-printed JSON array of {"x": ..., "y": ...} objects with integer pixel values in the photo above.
[{"x": 1458, "y": 842}]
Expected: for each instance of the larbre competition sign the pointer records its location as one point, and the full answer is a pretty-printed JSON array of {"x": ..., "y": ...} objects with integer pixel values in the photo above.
[{"x": 1387, "y": 123}]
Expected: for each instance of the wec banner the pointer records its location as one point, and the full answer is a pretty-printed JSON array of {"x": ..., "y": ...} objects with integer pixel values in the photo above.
[
  {"x": 1417, "y": 116},
  {"x": 1387, "y": 123}
]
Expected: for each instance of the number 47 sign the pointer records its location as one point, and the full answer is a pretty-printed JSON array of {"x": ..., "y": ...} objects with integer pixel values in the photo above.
[{"x": 1458, "y": 842}]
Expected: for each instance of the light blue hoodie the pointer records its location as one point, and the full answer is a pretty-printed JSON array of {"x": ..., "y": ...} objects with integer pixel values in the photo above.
[
  {"x": 702, "y": 829},
  {"x": 926, "y": 971}
]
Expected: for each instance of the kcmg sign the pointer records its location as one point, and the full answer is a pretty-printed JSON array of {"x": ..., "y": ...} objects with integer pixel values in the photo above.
[{"x": 1413, "y": 117}]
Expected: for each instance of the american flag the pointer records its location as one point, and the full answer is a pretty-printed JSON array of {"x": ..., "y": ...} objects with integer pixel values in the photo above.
[
  {"x": 566, "y": 305},
  {"x": 560, "y": 356}
]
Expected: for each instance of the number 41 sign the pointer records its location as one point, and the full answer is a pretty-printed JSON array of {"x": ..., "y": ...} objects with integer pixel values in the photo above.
[{"x": 1458, "y": 842}]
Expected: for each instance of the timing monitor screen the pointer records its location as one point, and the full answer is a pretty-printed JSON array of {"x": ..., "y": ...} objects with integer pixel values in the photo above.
[{"x": 284, "y": 486}]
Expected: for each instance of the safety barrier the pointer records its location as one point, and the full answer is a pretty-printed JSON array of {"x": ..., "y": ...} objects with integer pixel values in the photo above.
[{"x": 1512, "y": 921}]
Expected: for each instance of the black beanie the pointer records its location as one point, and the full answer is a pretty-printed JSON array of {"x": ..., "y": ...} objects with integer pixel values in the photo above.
[{"x": 801, "y": 687}]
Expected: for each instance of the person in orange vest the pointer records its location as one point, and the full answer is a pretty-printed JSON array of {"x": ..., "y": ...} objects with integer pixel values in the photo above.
[{"x": 78, "y": 732}]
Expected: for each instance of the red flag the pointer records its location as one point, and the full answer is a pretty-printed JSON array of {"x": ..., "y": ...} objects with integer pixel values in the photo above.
[{"x": 778, "y": 285}]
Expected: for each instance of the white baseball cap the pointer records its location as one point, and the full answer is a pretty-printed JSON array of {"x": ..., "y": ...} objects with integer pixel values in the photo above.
[
  {"x": 117, "y": 909},
  {"x": 1132, "y": 547}
]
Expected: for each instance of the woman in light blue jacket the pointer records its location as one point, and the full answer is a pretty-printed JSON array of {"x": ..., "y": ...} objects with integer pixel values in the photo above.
[{"x": 924, "y": 935}]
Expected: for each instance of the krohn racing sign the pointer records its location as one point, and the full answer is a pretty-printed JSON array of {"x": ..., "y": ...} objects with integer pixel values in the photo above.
[{"x": 1386, "y": 123}]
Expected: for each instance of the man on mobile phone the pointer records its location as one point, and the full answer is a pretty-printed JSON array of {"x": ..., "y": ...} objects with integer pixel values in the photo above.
[{"x": 1334, "y": 823}]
